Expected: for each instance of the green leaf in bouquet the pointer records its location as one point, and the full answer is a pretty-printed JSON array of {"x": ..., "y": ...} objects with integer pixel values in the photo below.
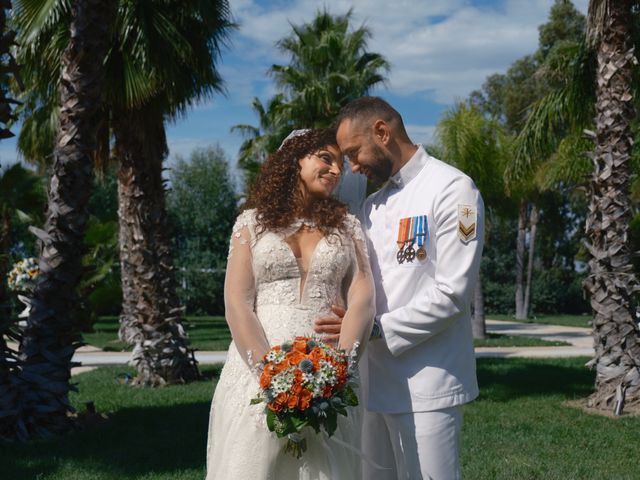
[
  {"x": 331, "y": 423},
  {"x": 349, "y": 396},
  {"x": 299, "y": 423},
  {"x": 282, "y": 425},
  {"x": 341, "y": 411},
  {"x": 271, "y": 420},
  {"x": 255, "y": 401},
  {"x": 314, "y": 423}
]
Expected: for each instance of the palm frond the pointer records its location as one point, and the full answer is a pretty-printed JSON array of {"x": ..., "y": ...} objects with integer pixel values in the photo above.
[
  {"x": 566, "y": 108},
  {"x": 569, "y": 165}
]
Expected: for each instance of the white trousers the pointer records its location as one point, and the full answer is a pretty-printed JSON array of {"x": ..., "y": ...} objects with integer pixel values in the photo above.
[{"x": 412, "y": 446}]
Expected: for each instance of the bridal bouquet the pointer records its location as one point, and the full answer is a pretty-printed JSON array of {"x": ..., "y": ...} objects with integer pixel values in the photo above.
[
  {"x": 305, "y": 383},
  {"x": 23, "y": 274}
]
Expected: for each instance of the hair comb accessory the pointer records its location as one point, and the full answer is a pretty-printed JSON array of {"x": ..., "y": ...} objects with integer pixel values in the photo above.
[{"x": 294, "y": 133}]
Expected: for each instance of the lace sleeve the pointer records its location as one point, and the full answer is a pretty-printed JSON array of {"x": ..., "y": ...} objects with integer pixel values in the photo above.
[
  {"x": 239, "y": 295},
  {"x": 358, "y": 320}
]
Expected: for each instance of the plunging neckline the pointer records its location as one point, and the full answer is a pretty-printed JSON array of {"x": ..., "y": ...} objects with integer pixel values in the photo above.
[{"x": 302, "y": 286}]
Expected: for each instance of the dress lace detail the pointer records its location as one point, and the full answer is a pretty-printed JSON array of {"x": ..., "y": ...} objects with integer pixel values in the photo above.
[{"x": 239, "y": 445}]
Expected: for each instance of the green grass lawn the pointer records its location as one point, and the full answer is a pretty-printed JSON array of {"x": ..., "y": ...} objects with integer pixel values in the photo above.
[
  {"x": 205, "y": 333},
  {"x": 567, "y": 320},
  {"x": 519, "y": 428},
  {"x": 212, "y": 334}
]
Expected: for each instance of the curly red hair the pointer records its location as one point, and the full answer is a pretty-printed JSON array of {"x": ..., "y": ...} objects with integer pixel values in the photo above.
[{"x": 276, "y": 194}]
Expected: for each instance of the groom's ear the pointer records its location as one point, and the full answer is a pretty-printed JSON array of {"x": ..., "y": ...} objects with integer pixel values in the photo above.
[{"x": 381, "y": 131}]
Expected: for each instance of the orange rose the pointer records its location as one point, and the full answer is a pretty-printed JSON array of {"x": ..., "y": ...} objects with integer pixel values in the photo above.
[
  {"x": 292, "y": 401},
  {"x": 281, "y": 366},
  {"x": 300, "y": 344},
  {"x": 304, "y": 399},
  {"x": 316, "y": 355},
  {"x": 327, "y": 391},
  {"x": 281, "y": 399},
  {"x": 274, "y": 407},
  {"x": 265, "y": 380},
  {"x": 295, "y": 357},
  {"x": 297, "y": 388}
]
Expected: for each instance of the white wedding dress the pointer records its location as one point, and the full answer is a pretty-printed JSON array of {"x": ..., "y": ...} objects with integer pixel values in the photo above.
[{"x": 269, "y": 299}]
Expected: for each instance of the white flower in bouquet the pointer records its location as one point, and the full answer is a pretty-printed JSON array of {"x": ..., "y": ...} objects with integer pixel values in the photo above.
[{"x": 23, "y": 275}]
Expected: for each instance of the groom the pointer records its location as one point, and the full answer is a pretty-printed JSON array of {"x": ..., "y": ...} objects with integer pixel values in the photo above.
[{"x": 425, "y": 233}]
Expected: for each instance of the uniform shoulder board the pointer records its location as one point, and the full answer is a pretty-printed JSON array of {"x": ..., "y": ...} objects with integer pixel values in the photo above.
[{"x": 467, "y": 221}]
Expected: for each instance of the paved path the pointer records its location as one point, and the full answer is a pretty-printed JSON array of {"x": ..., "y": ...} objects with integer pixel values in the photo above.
[{"x": 579, "y": 339}]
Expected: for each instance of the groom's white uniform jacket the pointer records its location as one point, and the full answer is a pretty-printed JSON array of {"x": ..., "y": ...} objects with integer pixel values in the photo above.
[{"x": 425, "y": 360}]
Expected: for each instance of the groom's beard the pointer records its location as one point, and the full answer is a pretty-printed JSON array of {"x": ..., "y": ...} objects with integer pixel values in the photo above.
[{"x": 380, "y": 167}]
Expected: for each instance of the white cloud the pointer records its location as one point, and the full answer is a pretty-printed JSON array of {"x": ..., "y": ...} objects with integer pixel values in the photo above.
[
  {"x": 423, "y": 134},
  {"x": 439, "y": 50},
  {"x": 442, "y": 49}
]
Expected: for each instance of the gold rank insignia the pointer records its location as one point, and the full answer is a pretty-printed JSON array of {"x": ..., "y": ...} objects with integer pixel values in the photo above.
[{"x": 467, "y": 221}]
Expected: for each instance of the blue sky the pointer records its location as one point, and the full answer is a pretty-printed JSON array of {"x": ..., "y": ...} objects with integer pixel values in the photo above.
[{"x": 439, "y": 50}]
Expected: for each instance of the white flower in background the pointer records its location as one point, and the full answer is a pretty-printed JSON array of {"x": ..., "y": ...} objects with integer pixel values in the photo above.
[{"x": 22, "y": 276}]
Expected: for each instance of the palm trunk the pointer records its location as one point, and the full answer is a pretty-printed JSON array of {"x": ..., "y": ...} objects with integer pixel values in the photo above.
[
  {"x": 612, "y": 284},
  {"x": 520, "y": 250},
  {"x": 151, "y": 315},
  {"x": 533, "y": 227},
  {"x": 478, "y": 325},
  {"x": 51, "y": 337}
]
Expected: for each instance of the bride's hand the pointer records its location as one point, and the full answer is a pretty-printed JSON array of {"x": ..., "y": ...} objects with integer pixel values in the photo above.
[{"x": 329, "y": 327}]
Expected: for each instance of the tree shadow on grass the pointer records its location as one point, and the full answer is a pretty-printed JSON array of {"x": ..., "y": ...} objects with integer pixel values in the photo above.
[
  {"x": 161, "y": 432},
  {"x": 132, "y": 443},
  {"x": 509, "y": 379}
]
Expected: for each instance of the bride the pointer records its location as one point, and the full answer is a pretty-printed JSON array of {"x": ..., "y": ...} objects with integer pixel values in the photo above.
[{"x": 294, "y": 252}]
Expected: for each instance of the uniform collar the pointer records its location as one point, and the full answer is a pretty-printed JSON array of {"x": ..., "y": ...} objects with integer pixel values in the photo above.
[{"x": 410, "y": 170}]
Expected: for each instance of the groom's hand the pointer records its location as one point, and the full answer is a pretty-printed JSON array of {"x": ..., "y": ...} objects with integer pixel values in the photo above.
[{"x": 329, "y": 327}]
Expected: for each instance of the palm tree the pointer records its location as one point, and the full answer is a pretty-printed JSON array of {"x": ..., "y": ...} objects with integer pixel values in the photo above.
[
  {"x": 611, "y": 284},
  {"x": 260, "y": 141},
  {"x": 50, "y": 336},
  {"x": 478, "y": 146},
  {"x": 508, "y": 98},
  {"x": 162, "y": 60},
  {"x": 329, "y": 66},
  {"x": 151, "y": 312},
  {"x": 185, "y": 71}
]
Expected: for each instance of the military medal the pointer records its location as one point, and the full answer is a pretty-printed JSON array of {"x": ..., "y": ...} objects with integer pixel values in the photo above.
[
  {"x": 420, "y": 237},
  {"x": 409, "y": 251},
  {"x": 403, "y": 234}
]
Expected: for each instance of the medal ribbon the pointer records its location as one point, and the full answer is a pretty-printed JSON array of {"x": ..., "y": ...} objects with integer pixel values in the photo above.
[
  {"x": 415, "y": 221},
  {"x": 421, "y": 231},
  {"x": 403, "y": 232},
  {"x": 407, "y": 229}
]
